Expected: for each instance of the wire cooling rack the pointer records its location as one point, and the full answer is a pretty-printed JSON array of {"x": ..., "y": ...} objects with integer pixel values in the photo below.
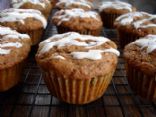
[{"x": 32, "y": 98}]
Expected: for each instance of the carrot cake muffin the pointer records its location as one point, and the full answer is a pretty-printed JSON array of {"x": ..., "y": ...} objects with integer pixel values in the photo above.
[
  {"x": 42, "y": 5},
  {"x": 110, "y": 10},
  {"x": 78, "y": 20},
  {"x": 27, "y": 21},
  {"x": 77, "y": 68},
  {"x": 70, "y": 4},
  {"x": 131, "y": 26},
  {"x": 14, "y": 49},
  {"x": 140, "y": 57}
]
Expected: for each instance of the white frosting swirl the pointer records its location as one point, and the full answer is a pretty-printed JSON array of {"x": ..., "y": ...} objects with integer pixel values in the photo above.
[
  {"x": 19, "y": 3},
  {"x": 93, "y": 54},
  {"x": 148, "y": 42},
  {"x": 116, "y": 5},
  {"x": 12, "y": 15},
  {"x": 66, "y": 15},
  {"x": 7, "y": 34},
  {"x": 73, "y": 38},
  {"x": 137, "y": 19},
  {"x": 68, "y": 3}
]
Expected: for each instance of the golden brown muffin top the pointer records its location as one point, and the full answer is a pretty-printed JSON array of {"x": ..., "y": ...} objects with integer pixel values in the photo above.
[
  {"x": 22, "y": 19},
  {"x": 77, "y": 56},
  {"x": 116, "y": 7},
  {"x": 14, "y": 47},
  {"x": 139, "y": 22},
  {"x": 41, "y": 4},
  {"x": 142, "y": 54},
  {"x": 77, "y": 19},
  {"x": 70, "y": 4}
]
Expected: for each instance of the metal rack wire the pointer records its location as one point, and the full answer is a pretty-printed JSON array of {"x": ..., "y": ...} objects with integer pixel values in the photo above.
[{"x": 32, "y": 98}]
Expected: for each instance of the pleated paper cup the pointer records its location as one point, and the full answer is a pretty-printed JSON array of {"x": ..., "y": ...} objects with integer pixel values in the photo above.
[
  {"x": 126, "y": 37},
  {"x": 11, "y": 76},
  {"x": 142, "y": 84},
  {"x": 108, "y": 19},
  {"x": 62, "y": 29},
  {"x": 77, "y": 91}
]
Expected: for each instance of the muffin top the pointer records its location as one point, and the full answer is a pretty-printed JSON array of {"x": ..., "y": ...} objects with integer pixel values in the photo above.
[
  {"x": 140, "y": 22},
  {"x": 14, "y": 47},
  {"x": 42, "y": 4},
  {"x": 116, "y": 6},
  {"x": 22, "y": 19},
  {"x": 77, "y": 19},
  {"x": 78, "y": 56},
  {"x": 70, "y": 4},
  {"x": 142, "y": 54}
]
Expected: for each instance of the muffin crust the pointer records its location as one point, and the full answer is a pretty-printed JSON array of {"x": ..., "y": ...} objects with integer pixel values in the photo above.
[
  {"x": 73, "y": 55},
  {"x": 14, "y": 47}
]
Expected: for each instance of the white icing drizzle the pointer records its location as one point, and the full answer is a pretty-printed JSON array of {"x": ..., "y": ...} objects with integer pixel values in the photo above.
[
  {"x": 11, "y": 44},
  {"x": 4, "y": 51},
  {"x": 9, "y": 33},
  {"x": 68, "y": 3},
  {"x": 12, "y": 15},
  {"x": 93, "y": 54},
  {"x": 73, "y": 38},
  {"x": 140, "y": 22},
  {"x": 149, "y": 41},
  {"x": 116, "y": 5},
  {"x": 59, "y": 57},
  {"x": 19, "y": 3},
  {"x": 67, "y": 14}
]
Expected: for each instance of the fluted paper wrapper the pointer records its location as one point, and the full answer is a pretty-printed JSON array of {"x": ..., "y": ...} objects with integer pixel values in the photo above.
[
  {"x": 10, "y": 77},
  {"x": 126, "y": 37},
  {"x": 108, "y": 19},
  {"x": 62, "y": 29},
  {"x": 77, "y": 91},
  {"x": 141, "y": 83}
]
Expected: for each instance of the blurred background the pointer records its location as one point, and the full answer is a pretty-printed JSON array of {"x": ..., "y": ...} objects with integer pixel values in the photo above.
[{"x": 142, "y": 5}]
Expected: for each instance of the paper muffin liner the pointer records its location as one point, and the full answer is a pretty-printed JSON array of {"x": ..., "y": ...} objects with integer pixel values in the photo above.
[
  {"x": 77, "y": 91},
  {"x": 35, "y": 36},
  {"x": 126, "y": 37},
  {"x": 62, "y": 29},
  {"x": 141, "y": 83},
  {"x": 108, "y": 19},
  {"x": 11, "y": 76}
]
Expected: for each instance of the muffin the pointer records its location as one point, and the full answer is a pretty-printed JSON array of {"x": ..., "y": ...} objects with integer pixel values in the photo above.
[
  {"x": 42, "y": 5},
  {"x": 77, "y": 68},
  {"x": 131, "y": 26},
  {"x": 78, "y": 20},
  {"x": 109, "y": 11},
  {"x": 70, "y": 4},
  {"x": 27, "y": 21},
  {"x": 140, "y": 59},
  {"x": 14, "y": 49}
]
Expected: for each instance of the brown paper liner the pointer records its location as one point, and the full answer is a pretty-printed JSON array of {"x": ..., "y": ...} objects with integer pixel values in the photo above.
[
  {"x": 77, "y": 91},
  {"x": 97, "y": 32},
  {"x": 35, "y": 36},
  {"x": 11, "y": 76},
  {"x": 126, "y": 37},
  {"x": 141, "y": 83},
  {"x": 108, "y": 19}
]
